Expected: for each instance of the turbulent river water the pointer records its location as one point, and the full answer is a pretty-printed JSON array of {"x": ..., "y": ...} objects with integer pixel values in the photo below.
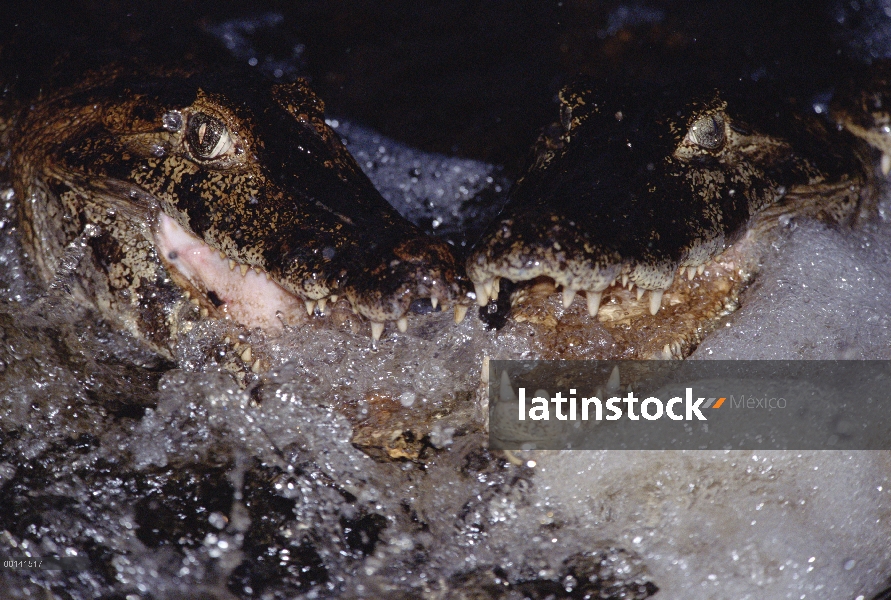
[{"x": 174, "y": 483}]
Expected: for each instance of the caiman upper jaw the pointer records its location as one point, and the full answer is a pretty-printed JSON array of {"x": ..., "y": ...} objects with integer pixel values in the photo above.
[{"x": 418, "y": 268}]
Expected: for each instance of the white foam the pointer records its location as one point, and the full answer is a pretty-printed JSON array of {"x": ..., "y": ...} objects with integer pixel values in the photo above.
[{"x": 821, "y": 295}]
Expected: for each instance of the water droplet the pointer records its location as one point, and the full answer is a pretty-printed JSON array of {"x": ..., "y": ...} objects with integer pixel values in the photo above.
[{"x": 172, "y": 121}]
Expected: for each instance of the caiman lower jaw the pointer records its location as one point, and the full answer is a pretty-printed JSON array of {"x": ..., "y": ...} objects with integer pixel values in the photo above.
[
  {"x": 245, "y": 294},
  {"x": 623, "y": 326}
]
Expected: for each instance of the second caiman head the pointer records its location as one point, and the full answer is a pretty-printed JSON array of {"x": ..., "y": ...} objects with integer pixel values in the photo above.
[
  {"x": 174, "y": 193},
  {"x": 636, "y": 184}
]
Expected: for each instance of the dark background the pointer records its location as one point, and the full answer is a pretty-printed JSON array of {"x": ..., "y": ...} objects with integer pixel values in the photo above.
[{"x": 471, "y": 78}]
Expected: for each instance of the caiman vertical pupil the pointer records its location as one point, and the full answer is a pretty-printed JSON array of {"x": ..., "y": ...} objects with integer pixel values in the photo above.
[{"x": 205, "y": 135}]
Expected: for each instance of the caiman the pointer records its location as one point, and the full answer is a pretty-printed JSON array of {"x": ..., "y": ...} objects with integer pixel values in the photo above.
[
  {"x": 651, "y": 201},
  {"x": 178, "y": 194},
  {"x": 196, "y": 194}
]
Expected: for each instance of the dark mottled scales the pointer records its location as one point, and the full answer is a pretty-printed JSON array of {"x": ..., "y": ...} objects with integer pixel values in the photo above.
[
  {"x": 248, "y": 167},
  {"x": 637, "y": 183},
  {"x": 863, "y": 105}
]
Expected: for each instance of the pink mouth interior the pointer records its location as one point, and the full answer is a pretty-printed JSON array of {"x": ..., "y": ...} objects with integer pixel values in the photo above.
[{"x": 249, "y": 298}]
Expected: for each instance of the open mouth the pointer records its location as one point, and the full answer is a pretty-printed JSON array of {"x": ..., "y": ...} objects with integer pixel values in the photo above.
[{"x": 229, "y": 289}]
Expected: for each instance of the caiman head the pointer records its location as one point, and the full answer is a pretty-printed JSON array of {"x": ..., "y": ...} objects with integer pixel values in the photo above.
[
  {"x": 224, "y": 188},
  {"x": 635, "y": 185}
]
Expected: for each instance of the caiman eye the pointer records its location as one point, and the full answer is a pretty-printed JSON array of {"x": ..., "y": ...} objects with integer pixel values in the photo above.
[
  {"x": 707, "y": 132},
  {"x": 208, "y": 137}
]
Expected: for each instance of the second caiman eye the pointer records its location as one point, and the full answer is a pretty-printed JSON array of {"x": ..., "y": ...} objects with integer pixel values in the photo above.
[
  {"x": 707, "y": 132},
  {"x": 208, "y": 137}
]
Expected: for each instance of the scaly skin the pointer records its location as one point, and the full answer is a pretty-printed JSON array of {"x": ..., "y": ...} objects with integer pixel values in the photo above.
[
  {"x": 248, "y": 168},
  {"x": 634, "y": 186},
  {"x": 862, "y": 105},
  {"x": 637, "y": 185}
]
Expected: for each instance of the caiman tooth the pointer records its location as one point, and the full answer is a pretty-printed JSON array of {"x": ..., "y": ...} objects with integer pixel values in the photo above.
[
  {"x": 222, "y": 255},
  {"x": 434, "y": 301},
  {"x": 195, "y": 301},
  {"x": 624, "y": 280},
  {"x": 231, "y": 265},
  {"x": 334, "y": 298},
  {"x": 460, "y": 313},
  {"x": 246, "y": 355},
  {"x": 640, "y": 293},
  {"x": 244, "y": 270},
  {"x": 496, "y": 288},
  {"x": 700, "y": 269},
  {"x": 488, "y": 285},
  {"x": 886, "y": 164},
  {"x": 568, "y": 297},
  {"x": 256, "y": 367},
  {"x": 322, "y": 303},
  {"x": 402, "y": 324},
  {"x": 614, "y": 381},
  {"x": 187, "y": 294},
  {"x": 691, "y": 272},
  {"x": 258, "y": 270},
  {"x": 204, "y": 313},
  {"x": 655, "y": 300},
  {"x": 377, "y": 329},
  {"x": 482, "y": 295},
  {"x": 593, "y": 302},
  {"x": 310, "y": 306}
]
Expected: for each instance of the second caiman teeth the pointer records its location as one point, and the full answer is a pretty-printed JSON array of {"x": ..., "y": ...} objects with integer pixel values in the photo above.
[
  {"x": 482, "y": 293},
  {"x": 434, "y": 301},
  {"x": 377, "y": 329},
  {"x": 310, "y": 307},
  {"x": 655, "y": 300},
  {"x": 568, "y": 297},
  {"x": 460, "y": 313},
  {"x": 402, "y": 324},
  {"x": 594, "y": 302}
]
